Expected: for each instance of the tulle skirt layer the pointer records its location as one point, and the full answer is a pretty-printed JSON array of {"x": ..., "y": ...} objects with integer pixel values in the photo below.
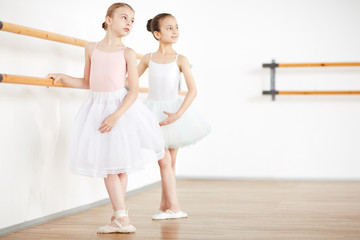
[
  {"x": 93, "y": 153},
  {"x": 187, "y": 130}
]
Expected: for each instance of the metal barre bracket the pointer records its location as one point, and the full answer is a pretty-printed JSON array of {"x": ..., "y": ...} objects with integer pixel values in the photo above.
[
  {"x": 272, "y": 67},
  {"x": 270, "y": 92}
]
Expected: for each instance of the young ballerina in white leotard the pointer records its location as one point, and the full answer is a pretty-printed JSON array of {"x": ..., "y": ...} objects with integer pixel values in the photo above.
[{"x": 181, "y": 124}]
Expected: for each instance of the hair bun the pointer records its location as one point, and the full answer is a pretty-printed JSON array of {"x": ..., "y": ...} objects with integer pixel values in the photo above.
[
  {"x": 148, "y": 25},
  {"x": 104, "y": 25}
]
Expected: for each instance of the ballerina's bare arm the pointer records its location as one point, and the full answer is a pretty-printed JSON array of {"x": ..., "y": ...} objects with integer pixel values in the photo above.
[
  {"x": 143, "y": 64},
  {"x": 133, "y": 78},
  {"x": 72, "y": 81},
  {"x": 184, "y": 66}
]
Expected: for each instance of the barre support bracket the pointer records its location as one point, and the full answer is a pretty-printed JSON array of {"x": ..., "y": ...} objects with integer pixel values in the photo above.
[
  {"x": 272, "y": 67},
  {"x": 272, "y": 93}
]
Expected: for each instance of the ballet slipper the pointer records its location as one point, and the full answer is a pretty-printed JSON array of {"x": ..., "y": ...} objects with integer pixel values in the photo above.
[
  {"x": 119, "y": 227},
  {"x": 168, "y": 214}
]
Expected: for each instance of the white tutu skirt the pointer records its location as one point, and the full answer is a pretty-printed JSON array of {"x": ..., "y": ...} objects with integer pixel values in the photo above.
[
  {"x": 187, "y": 130},
  {"x": 97, "y": 154}
]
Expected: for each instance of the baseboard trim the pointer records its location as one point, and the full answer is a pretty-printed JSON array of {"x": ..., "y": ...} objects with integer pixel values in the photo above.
[{"x": 51, "y": 217}]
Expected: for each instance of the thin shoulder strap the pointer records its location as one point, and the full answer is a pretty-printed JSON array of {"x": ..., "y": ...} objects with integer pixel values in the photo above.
[
  {"x": 177, "y": 55},
  {"x": 91, "y": 55},
  {"x": 151, "y": 55}
]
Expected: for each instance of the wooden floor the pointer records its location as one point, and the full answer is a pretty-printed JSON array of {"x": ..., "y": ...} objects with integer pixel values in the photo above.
[{"x": 227, "y": 209}]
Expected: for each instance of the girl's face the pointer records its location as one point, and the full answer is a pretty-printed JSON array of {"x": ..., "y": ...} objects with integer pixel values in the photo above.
[
  {"x": 122, "y": 21},
  {"x": 169, "y": 30}
]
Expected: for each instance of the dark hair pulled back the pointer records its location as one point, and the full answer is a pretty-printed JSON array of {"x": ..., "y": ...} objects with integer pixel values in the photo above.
[{"x": 153, "y": 25}]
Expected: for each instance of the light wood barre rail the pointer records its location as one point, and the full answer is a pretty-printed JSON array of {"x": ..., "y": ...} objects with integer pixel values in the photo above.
[
  {"x": 32, "y": 32},
  {"x": 334, "y": 64},
  {"x": 311, "y": 92},
  {"x": 273, "y": 65},
  {"x": 46, "y": 82},
  {"x": 339, "y": 64}
]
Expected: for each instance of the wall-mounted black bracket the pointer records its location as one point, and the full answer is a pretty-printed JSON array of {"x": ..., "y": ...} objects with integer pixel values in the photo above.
[
  {"x": 270, "y": 92},
  {"x": 272, "y": 67}
]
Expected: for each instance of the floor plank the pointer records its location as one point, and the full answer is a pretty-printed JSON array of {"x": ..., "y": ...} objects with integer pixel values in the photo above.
[{"x": 227, "y": 209}]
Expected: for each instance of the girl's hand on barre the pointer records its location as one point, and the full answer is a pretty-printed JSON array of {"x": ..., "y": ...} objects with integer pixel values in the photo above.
[{"x": 56, "y": 77}]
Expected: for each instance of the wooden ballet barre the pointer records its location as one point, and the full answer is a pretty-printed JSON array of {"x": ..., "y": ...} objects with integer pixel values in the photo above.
[
  {"x": 273, "y": 65},
  {"x": 32, "y": 32},
  {"x": 47, "y": 82},
  {"x": 311, "y": 92},
  {"x": 338, "y": 64}
]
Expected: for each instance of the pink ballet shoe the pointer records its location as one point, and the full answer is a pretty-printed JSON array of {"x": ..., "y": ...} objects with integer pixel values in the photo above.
[{"x": 119, "y": 227}]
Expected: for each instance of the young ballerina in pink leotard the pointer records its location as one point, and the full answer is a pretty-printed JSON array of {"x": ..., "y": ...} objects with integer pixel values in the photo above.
[{"x": 112, "y": 126}]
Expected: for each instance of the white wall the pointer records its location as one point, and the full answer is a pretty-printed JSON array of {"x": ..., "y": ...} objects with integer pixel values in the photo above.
[
  {"x": 226, "y": 42},
  {"x": 301, "y": 137}
]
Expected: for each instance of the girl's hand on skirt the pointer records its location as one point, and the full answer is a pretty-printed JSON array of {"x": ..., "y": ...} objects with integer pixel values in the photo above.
[
  {"x": 172, "y": 117},
  {"x": 108, "y": 123}
]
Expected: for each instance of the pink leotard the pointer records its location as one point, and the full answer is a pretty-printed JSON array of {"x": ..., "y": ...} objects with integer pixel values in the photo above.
[{"x": 107, "y": 71}]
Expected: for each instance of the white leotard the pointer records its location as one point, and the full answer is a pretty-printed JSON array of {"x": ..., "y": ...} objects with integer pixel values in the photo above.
[{"x": 164, "y": 80}]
